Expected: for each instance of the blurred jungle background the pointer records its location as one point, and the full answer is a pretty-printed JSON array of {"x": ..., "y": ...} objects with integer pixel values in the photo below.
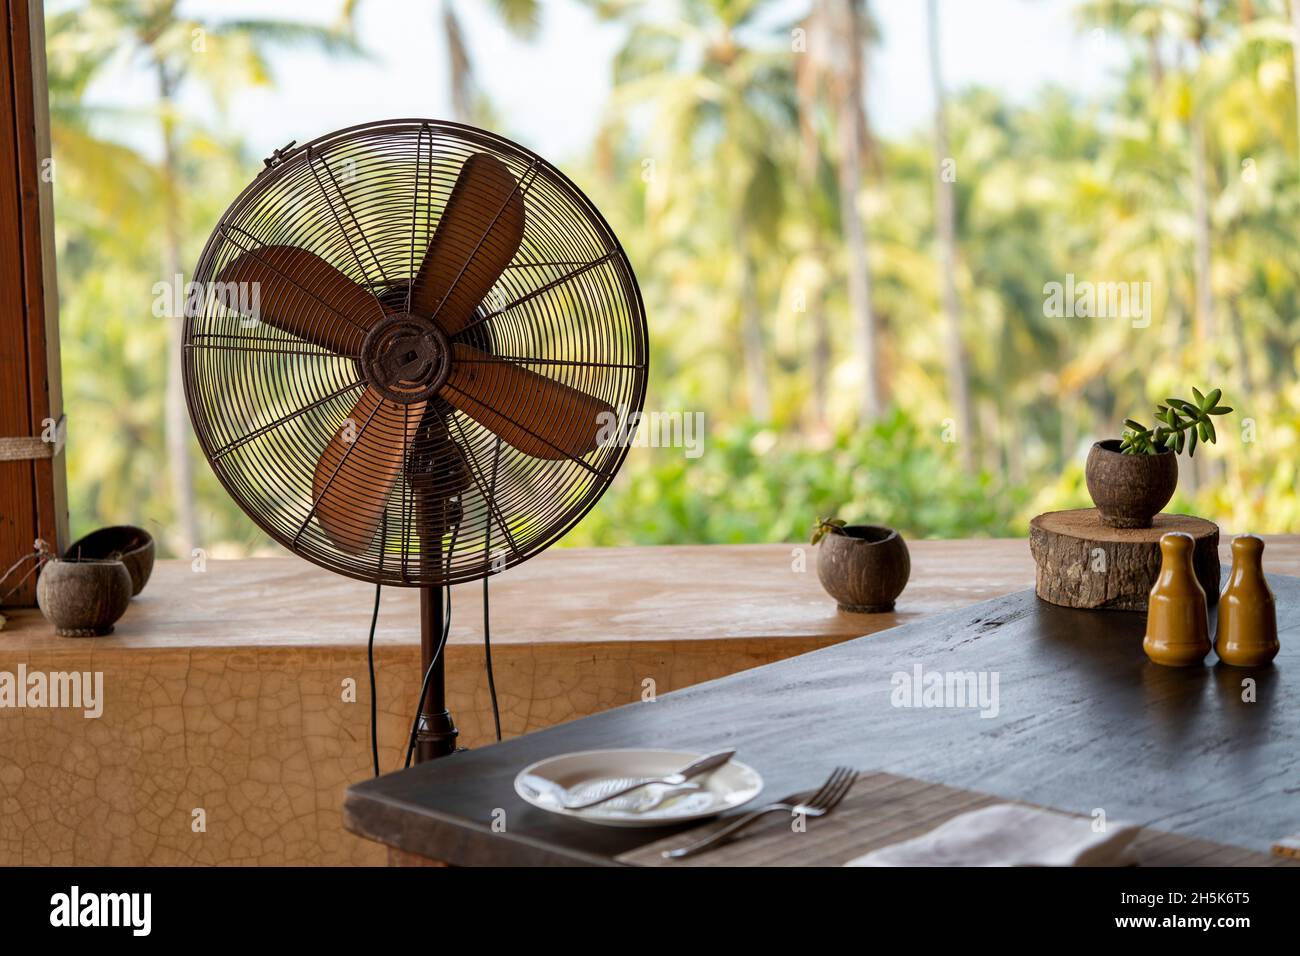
[{"x": 843, "y": 215}]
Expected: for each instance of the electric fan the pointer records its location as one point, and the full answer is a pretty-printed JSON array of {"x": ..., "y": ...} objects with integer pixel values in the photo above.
[{"x": 413, "y": 352}]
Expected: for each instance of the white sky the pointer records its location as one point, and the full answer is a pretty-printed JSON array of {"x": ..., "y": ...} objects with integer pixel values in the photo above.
[{"x": 551, "y": 91}]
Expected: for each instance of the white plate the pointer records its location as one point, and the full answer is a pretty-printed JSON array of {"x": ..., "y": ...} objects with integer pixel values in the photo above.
[{"x": 593, "y": 771}]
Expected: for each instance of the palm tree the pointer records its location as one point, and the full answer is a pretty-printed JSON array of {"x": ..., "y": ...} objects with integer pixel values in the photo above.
[
  {"x": 1188, "y": 23},
  {"x": 807, "y": 80},
  {"x": 1295, "y": 59},
  {"x": 1207, "y": 326},
  {"x": 175, "y": 49},
  {"x": 849, "y": 87},
  {"x": 831, "y": 77},
  {"x": 521, "y": 17},
  {"x": 719, "y": 106},
  {"x": 946, "y": 228}
]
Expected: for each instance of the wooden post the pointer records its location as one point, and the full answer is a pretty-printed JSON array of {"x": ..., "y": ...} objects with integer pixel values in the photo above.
[{"x": 33, "y": 484}]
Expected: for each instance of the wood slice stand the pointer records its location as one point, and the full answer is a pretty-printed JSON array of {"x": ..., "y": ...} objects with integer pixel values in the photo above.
[{"x": 1084, "y": 563}]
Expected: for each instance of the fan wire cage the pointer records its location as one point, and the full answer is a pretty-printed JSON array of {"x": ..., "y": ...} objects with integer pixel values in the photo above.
[{"x": 414, "y": 352}]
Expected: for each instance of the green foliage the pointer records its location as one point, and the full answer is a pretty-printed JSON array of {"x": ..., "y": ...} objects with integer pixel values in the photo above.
[
  {"x": 753, "y": 484},
  {"x": 734, "y": 229},
  {"x": 1180, "y": 424},
  {"x": 824, "y": 526}
]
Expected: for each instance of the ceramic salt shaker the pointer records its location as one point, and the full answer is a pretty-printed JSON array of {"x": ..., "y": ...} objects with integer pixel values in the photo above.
[
  {"x": 1247, "y": 635},
  {"x": 1178, "y": 633}
]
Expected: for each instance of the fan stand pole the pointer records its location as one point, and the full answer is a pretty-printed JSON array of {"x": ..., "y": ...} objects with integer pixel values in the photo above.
[{"x": 436, "y": 733}]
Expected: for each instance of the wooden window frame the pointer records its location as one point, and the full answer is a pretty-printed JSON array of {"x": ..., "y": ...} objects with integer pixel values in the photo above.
[{"x": 33, "y": 477}]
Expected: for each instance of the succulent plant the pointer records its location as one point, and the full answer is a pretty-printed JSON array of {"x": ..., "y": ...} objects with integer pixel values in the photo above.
[
  {"x": 824, "y": 526},
  {"x": 1180, "y": 424}
]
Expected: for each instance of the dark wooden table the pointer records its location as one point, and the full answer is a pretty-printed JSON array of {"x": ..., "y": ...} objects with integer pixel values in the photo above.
[{"x": 1084, "y": 721}]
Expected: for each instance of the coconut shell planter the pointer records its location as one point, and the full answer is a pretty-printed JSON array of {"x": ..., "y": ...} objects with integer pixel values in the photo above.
[
  {"x": 83, "y": 598},
  {"x": 1129, "y": 490},
  {"x": 132, "y": 546},
  {"x": 84, "y": 593},
  {"x": 863, "y": 567}
]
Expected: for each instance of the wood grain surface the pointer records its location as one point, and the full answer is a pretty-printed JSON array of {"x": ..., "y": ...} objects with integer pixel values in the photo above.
[
  {"x": 883, "y": 809},
  {"x": 1081, "y": 562},
  {"x": 1083, "y": 721}
]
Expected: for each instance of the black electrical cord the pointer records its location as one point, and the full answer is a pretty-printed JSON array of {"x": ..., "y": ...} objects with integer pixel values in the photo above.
[
  {"x": 370, "y": 649},
  {"x": 487, "y": 653},
  {"x": 487, "y": 628},
  {"x": 374, "y": 702}
]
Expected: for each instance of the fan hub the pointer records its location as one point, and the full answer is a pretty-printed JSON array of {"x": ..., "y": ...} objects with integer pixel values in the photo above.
[{"x": 406, "y": 358}]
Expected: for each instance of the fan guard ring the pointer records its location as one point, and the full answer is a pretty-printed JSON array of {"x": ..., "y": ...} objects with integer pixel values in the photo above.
[{"x": 391, "y": 415}]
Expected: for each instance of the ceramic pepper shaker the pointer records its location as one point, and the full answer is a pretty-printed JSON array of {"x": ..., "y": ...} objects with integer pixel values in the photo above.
[
  {"x": 1247, "y": 634},
  {"x": 1178, "y": 633}
]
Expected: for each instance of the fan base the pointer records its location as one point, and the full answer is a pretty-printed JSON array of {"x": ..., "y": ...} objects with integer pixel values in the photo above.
[{"x": 436, "y": 737}]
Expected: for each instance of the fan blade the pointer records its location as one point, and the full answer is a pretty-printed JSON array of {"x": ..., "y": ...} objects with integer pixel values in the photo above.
[
  {"x": 538, "y": 415},
  {"x": 357, "y": 469},
  {"x": 299, "y": 292},
  {"x": 479, "y": 233}
]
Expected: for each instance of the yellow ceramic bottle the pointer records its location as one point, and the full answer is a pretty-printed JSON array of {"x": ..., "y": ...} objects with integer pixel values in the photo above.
[
  {"x": 1178, "y": 633},
  {"x": 1247, "y": 634}
]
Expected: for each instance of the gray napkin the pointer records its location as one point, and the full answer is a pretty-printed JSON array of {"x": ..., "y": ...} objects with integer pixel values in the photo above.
[{"x": 1009, "y": 835}]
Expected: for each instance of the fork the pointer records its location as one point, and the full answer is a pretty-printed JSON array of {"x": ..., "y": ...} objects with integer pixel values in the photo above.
[{"x": 822, "y": 802}]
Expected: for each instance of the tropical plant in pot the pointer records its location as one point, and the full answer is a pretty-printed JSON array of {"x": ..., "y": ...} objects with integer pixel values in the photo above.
[
  {"x": 1132, "y": 477},
  {"x": 863, "y": 566}
]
